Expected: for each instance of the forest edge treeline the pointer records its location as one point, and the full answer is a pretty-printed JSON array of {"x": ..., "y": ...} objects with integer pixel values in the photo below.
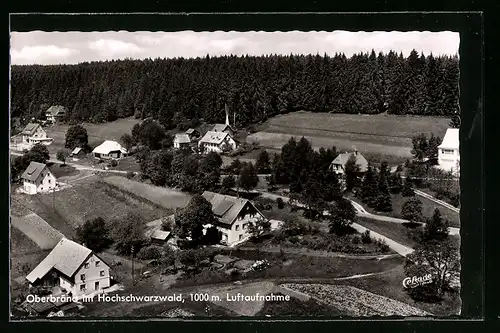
[{"x": 181, "y": 92}]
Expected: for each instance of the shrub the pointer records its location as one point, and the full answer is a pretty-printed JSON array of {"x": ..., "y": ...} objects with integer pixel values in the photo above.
[
  {"x": 382, "y": 245},
  {"x": 263, "y": 203},
  {"x": 365, "y": 237},
  {"x": 356, "y": 240},
  {"x": 280, "y": 203},
  {"x": 130, "y": 175},
  {"x": 150, "y": 252},
  {"x": 113, "y": 163}
]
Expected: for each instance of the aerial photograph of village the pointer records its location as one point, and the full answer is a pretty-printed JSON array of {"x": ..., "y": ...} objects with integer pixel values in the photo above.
[{"x": 234, "y": 174}]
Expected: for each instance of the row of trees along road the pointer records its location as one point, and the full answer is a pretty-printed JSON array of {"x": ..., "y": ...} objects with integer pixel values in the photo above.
[{"x": 176, "y": 91}]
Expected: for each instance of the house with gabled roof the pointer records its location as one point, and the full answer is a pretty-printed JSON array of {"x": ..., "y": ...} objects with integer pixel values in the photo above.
[
  {"x": 76, "y": 269},
  {"x": 233, "y": 215},
  {"x": 55, "y": 113},
  {"x": 338, "y": 164},
  {"x": 181, "y": 140},
  {"x": 37, "y": 178},
  {"x": 449, "y": 151},
  {"x": 33, "y": 133},
  {"x": 216, "y": 142},
  {"x": 109, "y": 150}
]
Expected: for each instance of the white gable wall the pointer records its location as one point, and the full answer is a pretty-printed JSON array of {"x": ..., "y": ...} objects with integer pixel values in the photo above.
[
  {"x": 239, "y": 229},
  {"x": 449, "y": 159},
  {"x": 96, "y": 277},
  {"x": 46, "y": 182}
]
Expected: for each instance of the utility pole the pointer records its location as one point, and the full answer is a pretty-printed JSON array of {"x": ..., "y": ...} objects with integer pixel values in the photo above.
[
  {"x": 132, "y": 253},
  {"x": 54, "y": 197}
]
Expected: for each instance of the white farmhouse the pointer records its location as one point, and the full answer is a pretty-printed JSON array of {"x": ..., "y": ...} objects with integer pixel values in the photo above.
[
  {"x": 33, "y": 134},
  {"x": 73, "y": 267},
  {"x": 181, "y": 140},
  {"x": 109, "y": 150},
  {"x": 449, "y": 151},
  {"x": 216, "y": 141},
  {"x": 233, "y": 215},
  {"x": 38, "y": 178},
  {"x": 338, "y": 164}
]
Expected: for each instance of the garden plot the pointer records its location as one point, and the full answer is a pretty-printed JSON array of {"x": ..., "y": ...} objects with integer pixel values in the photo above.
[
  {"x": 36, "y": 229},
  {"x": 356, "y": 302}
]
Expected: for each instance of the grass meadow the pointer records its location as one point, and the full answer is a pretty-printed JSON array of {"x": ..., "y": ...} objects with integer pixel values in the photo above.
[{"x": 379, "y": 137}]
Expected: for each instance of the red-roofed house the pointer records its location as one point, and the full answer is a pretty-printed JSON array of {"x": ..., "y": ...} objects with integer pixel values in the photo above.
[{"x": 73, "y": 267}]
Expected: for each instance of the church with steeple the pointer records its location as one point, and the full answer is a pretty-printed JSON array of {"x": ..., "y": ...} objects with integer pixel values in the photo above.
[{"x": 225, "y": 128}]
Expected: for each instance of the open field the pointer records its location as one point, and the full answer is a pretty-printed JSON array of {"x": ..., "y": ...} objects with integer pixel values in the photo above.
[
  {"x": 162, "y": 196},
  {"x": 87, "y": 199},
  {"x": 370, "y": 134},
  {"x": 38, "y": 230},
  {"x": 97, "y": 132},
  {"x": 395, "y": 231}
]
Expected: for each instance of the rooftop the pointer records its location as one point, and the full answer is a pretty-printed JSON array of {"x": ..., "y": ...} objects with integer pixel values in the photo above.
[
  {"x": 33, "y": 171},
  {"x": 451, "y": 139}
]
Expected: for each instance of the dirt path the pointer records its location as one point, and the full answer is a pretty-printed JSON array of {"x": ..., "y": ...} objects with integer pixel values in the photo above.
[{"x": 313, "y": 253}]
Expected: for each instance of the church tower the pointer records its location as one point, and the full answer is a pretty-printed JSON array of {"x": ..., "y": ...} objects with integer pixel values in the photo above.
[{"x": 227, "y": 114}]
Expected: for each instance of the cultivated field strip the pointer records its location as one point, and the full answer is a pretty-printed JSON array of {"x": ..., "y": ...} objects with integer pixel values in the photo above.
[
  {"x": 161, "y": 196},
  {"x": 356, "y": 302},
  {"x": 36, "y": 229}
]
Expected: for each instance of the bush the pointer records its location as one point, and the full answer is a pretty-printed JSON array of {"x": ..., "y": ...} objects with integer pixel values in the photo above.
[
  {"x": 263, "y": 203},
  {"x": 130, "y": 175},
  {"x": 382, "y": 245},
  {"x": 356, "y": 240},
  {"x": 150, "y": 252},
  {"x": 280, "y": 203},
  {"x": 113, "y": 163},
  {"x": 365, "y": 237}
]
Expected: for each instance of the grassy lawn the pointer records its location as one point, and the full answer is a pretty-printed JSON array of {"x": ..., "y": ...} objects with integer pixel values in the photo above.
[
  {"x": 296, "y": 266},
  {"x": 60, "y": 170},
  {"x": 88, "y": 199},
  {"x": 395, "y": 231},
  {"x": 97, "y": 133},
  {"x": 428, "y": 207},
  {"x": 368, "y": 133},
  {"x": 38, "y": 230},
  {"x": 390, "y": 285},
  {"x": 128, "y": 164},
  {"x": 162, "y": 196}
]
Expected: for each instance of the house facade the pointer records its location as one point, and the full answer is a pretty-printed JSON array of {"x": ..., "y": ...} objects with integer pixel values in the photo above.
[
  {"x": 216, "y": 142},
  {"x": 55, "y": 113},
  {"x": 37, "y": 178},
  {"x": 234, "y": 216},
  {"x": 449, "y": 152},
  {"x": 181, "y": 141},
  {"x": 338, "y": 164},
  {"x": 33, "y": 134},
  {"x": 73, "y": 267},
  {"x": 109, "y": 150}
]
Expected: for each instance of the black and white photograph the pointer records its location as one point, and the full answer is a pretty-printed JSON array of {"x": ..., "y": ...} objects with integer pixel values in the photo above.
[{"x": 230, "y": 174}]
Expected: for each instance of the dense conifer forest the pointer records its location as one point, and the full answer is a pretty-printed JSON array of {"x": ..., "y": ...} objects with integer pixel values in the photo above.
[{"x": 179, "y": 90}]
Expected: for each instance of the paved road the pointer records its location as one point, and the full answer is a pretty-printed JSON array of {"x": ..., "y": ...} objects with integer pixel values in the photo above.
[
  {"x": 395, "y": 246},
  {"x": 77, "y": 166}
]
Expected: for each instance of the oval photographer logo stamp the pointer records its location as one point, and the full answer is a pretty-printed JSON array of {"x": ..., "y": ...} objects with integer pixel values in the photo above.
[{"x": 416, "y": 281}]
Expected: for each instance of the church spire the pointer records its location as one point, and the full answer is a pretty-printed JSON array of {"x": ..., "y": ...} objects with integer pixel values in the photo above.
[{"x": 227, "y": 114}]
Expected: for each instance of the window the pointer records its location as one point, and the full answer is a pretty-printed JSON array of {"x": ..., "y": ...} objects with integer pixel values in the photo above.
[
  {"x": 83, "y": 287},
  {"x": 101, "y": 273},
  {"x": 86, "y": 265},
  {"x": 237, "y": 227},
  {"x": 244, "y": 226},
  {"x": 240, "y": 237},
  {"x": 447, "y": 151},
  {"x": 97, "y": 263},
  {"x": 82, "y": 277},
  {"x": 49, "y": 181},
  {"x": 96, "y": 287}
]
